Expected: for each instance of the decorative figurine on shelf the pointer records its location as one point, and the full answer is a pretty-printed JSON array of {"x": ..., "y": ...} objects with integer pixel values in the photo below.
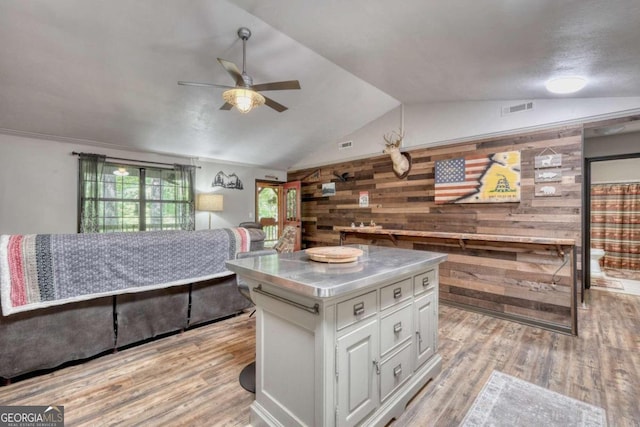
[
  {"x": 353, "y": 225},
  {"x": 362, "y": 225},
  {"x": 372, "y": 224}
]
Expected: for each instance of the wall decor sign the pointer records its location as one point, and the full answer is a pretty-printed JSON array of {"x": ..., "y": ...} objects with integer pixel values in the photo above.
[
  {"x": 363, "y": 200},
  {"x": 487, "y": 178},
  {"x": 548, "y": 190},
  {"x": 548, "y": 173},
  {"x": 312, "y": 177},
  {"x": 329, "y": 189},
  {"x": 548, "y": 160},
  {"x": 227, "y": 181}
]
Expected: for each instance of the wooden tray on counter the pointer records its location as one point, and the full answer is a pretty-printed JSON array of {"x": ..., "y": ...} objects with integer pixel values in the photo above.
[{"x": 334, "y": 254}]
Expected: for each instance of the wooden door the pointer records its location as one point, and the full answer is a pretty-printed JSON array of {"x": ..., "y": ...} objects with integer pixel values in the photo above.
[
  {"x": 269, "y": 210},
  {"x": 292, "y": 210}
]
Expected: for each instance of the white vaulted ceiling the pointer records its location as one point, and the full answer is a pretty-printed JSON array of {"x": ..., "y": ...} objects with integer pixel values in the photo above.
[{"x": 106, "y": 71}]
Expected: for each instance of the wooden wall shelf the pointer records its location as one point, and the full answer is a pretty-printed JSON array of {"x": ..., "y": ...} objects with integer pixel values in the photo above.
[
  {"x": 462, "y": 239},
  {"x": 562, "y": 248}
]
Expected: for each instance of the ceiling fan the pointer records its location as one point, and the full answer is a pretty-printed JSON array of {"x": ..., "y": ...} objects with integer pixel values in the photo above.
[{"x": 245, "y": 95}]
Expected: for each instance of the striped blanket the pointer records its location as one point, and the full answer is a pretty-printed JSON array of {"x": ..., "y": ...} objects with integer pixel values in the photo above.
[{"x": 42, "y": 270}]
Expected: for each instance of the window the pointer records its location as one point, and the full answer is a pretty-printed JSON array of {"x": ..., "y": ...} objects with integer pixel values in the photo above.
[{"x": 135, "y": 198}]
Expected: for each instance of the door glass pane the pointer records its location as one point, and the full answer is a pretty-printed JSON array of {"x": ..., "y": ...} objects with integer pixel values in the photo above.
[
  {"x": 292, "y": 205},
  {"x": 267, "y": 213}
]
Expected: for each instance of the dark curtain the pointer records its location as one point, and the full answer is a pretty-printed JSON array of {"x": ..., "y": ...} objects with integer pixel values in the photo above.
[
  {"x": 91, "y": 178},
  {"x": 615, "y": 224},
  {"x": 185, "y": 191}
]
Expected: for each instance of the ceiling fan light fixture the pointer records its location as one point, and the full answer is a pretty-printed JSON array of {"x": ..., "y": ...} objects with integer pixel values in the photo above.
[
  {"x": 243, "y": 99},
  {"x": 245, "y": 96},
  {"x": 564, "y": 85},
  {"x": 121, "y": 172}
]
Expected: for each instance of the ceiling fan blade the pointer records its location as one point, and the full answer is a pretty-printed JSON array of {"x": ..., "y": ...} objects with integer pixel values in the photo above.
[
  {"x": 288, "y": 85},
  {"x": 203, "y": 84},
  {"x": 226, "y": 106},
  {"x": 233, "y": 71},
  {"x": 273, "y": 104}
]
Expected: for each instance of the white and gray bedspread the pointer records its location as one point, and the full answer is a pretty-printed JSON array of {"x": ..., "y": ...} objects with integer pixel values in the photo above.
[{"x": 41, "y": 270}]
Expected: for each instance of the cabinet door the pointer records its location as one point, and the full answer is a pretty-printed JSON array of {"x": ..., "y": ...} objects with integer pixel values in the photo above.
[
  {"x": 357, "y": 374},
  {"x": 426, "y": 320}
]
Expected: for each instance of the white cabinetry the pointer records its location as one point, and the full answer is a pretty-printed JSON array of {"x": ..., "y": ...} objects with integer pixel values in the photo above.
[
  {"x": 379, "y": 344},
  {"x": 426, "y": 315},
  {"x": 342, "y": 345},
  {"x": 357, "y": 373}
]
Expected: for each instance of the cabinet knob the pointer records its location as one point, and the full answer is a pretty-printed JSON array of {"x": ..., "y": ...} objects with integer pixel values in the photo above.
[
  {"x": 397, "y": 328},
  {"x": 425, "y": 281},
  {"x": 358, "y": 309},
  {"x": 397, "y": 293}
]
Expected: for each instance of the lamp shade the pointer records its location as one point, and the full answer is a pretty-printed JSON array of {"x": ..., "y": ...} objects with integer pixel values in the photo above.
[
  {"x": 209, "y": 202},
  {"x": 243, "y": 99}
]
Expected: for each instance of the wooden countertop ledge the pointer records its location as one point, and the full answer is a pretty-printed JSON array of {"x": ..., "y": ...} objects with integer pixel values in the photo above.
[{"x": 460, "y": 237}]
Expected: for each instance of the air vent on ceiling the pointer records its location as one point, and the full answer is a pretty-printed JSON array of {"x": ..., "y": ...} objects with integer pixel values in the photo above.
[
  {"x": 516, "y": 108},
  {"x": 345, "y": 145}
]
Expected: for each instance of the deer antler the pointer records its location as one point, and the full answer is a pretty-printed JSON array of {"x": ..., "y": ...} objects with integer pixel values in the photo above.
[{"x": 390, "y": 140}]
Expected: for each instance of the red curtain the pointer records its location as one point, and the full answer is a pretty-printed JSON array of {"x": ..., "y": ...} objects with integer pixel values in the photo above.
[{"x": 615, "y": 224}]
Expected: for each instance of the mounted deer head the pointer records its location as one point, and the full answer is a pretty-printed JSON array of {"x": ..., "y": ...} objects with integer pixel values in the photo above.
[
  {"x": 393, "y": 140},
  {"x": 401, "y": 161}
]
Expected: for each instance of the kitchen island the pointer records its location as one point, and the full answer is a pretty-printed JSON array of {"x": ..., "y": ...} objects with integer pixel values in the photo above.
[{"x": 342, "y": 344}]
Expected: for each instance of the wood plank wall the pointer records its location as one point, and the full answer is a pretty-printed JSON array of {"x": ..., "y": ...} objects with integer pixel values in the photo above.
[{"x": 518, "y": 283}]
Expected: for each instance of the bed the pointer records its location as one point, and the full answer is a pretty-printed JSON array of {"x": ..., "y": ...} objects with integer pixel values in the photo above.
[{"x": 74, "y": 296}]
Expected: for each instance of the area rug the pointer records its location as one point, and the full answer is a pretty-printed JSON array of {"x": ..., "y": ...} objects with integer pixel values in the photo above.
[
  {"x": 606, "y": 282},
  {"x": 509, "y": 401}
]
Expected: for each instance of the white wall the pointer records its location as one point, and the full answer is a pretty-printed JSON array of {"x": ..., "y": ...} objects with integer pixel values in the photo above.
[
  {"x": 622, "y": 170},
  {"x": 625, "y": 143},
  {"x": 39, "y": 185},
  {"x": 436, "y": 124},
  {"x": 239, "y": 205}
]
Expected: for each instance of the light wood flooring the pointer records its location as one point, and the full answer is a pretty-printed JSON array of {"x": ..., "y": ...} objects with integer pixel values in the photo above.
[{"x": 191, "y": 379}]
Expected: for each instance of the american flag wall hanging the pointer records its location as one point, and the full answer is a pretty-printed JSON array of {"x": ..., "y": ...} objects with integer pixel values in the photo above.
[{"x": 486, "y": 178}]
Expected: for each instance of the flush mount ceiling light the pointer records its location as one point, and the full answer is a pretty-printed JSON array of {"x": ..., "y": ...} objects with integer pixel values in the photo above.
[
  {"x": 121, "y": 172},
  {"x": 564, "y": 85}
]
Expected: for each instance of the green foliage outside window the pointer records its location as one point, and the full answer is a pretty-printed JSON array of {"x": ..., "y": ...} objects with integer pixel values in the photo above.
[
  {"x": 268, "y": 203},
  {"x": 145, "y": 199}
]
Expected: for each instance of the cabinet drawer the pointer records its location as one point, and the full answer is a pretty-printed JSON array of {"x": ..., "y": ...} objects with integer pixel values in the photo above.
[
  {"x": 356, "y": 309},
  {"x": 395, "y": 371},
  {"x": 395, "y": 293},
  {"x": 395, "y": 329},
  {"x": 425, "y": 281}
]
